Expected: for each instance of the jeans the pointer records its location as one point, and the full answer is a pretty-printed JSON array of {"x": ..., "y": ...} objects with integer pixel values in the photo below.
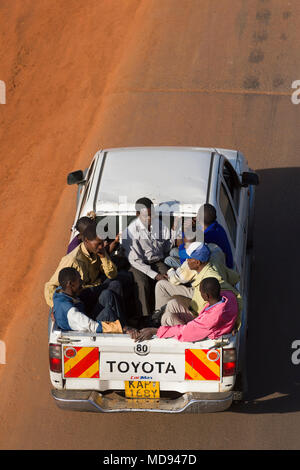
[
  {"x": 104, "y": 302},
  {"x": 173, "y": 260}
]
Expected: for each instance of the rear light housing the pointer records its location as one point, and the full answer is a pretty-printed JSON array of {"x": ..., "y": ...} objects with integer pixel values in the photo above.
[
  {"x": 55, "y": 357},
  {"x": 229, "y": 362}
]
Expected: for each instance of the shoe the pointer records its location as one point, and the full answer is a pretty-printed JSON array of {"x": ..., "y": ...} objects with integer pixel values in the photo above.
[{"x": 156, "y": 316}]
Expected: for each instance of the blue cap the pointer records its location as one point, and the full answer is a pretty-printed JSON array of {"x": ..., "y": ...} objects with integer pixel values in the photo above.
[{"x": 199, "y": 251}]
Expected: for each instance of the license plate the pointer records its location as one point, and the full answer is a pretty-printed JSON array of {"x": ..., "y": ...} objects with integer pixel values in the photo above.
[{"x": 141, "y": 389}]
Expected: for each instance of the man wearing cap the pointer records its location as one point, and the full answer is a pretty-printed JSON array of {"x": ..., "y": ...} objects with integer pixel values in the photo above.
[
  {"x": 181, "y": 281},
  {"x": 183, "y": 274},
  {"x": 216, "y": 319},
  {"x": 200, "y": 265}
]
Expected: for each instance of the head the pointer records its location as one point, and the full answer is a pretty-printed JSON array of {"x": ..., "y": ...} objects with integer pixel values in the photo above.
[
  {"x": 198, "y": 255},
  {"x": 82, "y": 224},
  {"x": 210, "y": 289},
  {"x": 144, "y": 208},
  {"x": 206, "y": 215},
  {"x": 92, "y": 242},
  {"x": 188, "y": 239},
  {"x": 70, "y": 281}
]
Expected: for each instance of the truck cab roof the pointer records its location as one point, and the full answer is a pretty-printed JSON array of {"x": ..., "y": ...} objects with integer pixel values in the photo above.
[{"x": 169, "y": 176}]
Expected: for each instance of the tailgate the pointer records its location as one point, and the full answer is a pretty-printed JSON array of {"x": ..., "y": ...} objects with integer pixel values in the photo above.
[
  {"x": 190, "y": 364},
  {"x": 155, "y": 360}
]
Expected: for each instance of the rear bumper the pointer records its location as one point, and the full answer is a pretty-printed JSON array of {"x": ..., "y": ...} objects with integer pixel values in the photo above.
[{"x": 111, "y": 403}]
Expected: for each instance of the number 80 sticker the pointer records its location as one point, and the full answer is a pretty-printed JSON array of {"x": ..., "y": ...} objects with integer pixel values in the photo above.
[{"x": 142, "y": 349}]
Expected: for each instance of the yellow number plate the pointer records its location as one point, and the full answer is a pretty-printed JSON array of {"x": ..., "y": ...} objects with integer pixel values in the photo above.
[{"x": 141, "y": 389}]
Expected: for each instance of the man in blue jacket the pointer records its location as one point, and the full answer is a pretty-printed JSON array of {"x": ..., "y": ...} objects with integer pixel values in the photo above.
[
  {"x": 214, "y": 232},
  {"x": 69, "y": 311}
]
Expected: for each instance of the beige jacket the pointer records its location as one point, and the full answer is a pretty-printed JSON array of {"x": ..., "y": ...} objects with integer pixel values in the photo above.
[{"x": 90, "y": 267}]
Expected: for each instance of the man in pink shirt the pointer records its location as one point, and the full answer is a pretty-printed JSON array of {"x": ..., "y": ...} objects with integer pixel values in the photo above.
[{"x": 216, "y": 319}]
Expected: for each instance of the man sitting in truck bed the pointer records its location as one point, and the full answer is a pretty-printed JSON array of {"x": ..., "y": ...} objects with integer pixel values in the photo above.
[
  {"x": 217, "y": 318},
  {"x": 80, "y": 226},
  {"x": 204, "y": 228},
  {"x": 146, "y": 244},
  {"x": 69, "y": 311},
  {"x": 97, "y": 271},
  {"x": 213, "y": 231},
  {"x": 199, "y": 265}
]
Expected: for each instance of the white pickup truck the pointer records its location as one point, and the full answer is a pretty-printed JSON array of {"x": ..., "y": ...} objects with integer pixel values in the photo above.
[{"x": 112, "y": 372}]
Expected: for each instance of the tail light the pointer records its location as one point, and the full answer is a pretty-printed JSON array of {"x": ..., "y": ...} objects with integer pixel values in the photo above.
[
  {"x": 229, "y": 362},
  {"x": 55, "y": 357}
]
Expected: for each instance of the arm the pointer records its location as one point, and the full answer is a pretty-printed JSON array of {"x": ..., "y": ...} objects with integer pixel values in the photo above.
[
  {"x": 109, "y": 268},
  {"x": 181, "y": 275},
  {"x": 112, "y": 246},
  {"x": 78, "y": 321},
  {"x": 135, "y": 258},
  {"x": 142, "y": 335},
  {"x": 194, "y": 330}
]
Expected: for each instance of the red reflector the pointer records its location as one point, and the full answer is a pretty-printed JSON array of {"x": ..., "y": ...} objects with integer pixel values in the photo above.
[
  {"x": 228, "y": 368},
  {"x": 70, "y": 352},
  {"x": 55, "y": 364}
]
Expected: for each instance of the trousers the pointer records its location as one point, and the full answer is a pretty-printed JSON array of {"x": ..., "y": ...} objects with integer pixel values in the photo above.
[
  {"x": 177, "y": 312},
  {"x": 104, "y": 302},
  {"x": 164, "y": 291},
  {"x": 144, "y": 288}
]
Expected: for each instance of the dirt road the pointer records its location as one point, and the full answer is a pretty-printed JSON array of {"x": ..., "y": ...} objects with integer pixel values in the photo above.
[{"x": 87, "y": 75}]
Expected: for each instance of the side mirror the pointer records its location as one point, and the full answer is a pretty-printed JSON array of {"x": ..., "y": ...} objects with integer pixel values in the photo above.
[
  {"x": 249, "y": 179},
  {"x": 75, "y": 177}
]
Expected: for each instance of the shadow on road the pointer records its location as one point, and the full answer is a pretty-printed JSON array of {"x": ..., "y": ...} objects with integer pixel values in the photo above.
[
  {"x": 277, "y": 405},
  {"x": 274, "y": 311}
]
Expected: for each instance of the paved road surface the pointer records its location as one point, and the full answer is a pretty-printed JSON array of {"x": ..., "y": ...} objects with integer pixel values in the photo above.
[{"x": 85, "y": 75}]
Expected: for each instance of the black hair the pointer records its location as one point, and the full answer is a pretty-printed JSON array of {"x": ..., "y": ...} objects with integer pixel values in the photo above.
[
  {"x": 67, "y": 274},
  {"x": 90, "y": 232},
  {"x": 211, "y": 287},
  {"x": 208, "y": 212},
  {"x": 83, "y": 223},
  {"x": 143, "y": 202}
]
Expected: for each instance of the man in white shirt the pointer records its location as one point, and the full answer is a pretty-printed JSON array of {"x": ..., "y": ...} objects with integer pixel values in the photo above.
[
  {"x": 146, "y": 241},
  {"x": 69, "y": 311}
]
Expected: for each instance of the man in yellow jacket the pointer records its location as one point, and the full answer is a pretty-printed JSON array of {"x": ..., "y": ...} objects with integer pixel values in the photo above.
[{"x": 96, "y": 270}]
